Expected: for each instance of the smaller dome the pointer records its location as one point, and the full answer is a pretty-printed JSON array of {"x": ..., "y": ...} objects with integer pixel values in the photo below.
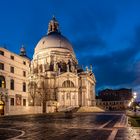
[{"x": 22, "y": 51}]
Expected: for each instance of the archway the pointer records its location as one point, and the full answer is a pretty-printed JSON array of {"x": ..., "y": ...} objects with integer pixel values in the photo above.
[
  {"x": 1, "y": 108},
  {"x": 67, "y": 84},
  {"x": 2, "y": 82}
]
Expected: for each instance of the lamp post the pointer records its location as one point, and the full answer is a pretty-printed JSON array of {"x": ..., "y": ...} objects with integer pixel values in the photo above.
[{"x": 133, "y": 101}]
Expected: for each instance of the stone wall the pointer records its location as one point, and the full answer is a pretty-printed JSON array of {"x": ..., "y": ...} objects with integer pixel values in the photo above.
[{"x": 17, "y": 110}]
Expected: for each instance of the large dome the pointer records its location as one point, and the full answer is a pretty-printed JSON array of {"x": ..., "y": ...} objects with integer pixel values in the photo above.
[{"x": 53, "y": 39}]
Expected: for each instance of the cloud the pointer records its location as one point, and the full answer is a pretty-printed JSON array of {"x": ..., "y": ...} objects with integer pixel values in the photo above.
[
  {"x": 89, "y": 44},
  {"x": 113, "y": 69},
  {"x": 117, "y": 68}
]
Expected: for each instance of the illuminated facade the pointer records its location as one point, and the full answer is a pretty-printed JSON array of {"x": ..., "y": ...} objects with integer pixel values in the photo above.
[
  {"x": 56, "y": 81},
  {"x": 13, "y": 80},
  {"x": 53, "y": 81}
]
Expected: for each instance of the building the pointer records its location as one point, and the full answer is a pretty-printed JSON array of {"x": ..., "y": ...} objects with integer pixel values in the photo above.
[
  {"x": 110, "y": 99},
  {"x": 13, "y": 80},
  {"x": 52, "y": 81},
  {"x": 55, "y": 79}
]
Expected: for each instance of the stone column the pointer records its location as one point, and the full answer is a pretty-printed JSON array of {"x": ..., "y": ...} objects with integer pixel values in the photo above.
[
  {"x": 64, "y": 98},
  {"x": 71, "y": 104}
]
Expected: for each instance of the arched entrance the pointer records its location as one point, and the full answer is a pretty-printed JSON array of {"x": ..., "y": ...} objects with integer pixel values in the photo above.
[
  {"x": 2, "y": 82},
  {"x": 1, "y": 108}
]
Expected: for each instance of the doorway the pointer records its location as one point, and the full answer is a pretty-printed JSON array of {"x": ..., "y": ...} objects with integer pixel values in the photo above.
[{"x": 1, "y": 108}]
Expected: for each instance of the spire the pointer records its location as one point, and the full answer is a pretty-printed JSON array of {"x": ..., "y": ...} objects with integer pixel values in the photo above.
[
  {"x": 22, "y": 51},
  {"x": 53, "y": 26}
]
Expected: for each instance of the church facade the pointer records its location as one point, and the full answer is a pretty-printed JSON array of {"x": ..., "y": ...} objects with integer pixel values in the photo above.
[
  {"x": 52, "y": 81},
  {"x": 56, "y": 81}
]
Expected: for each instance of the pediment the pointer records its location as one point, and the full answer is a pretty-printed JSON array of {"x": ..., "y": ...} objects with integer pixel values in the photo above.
[{"x": 68, "y": 74}]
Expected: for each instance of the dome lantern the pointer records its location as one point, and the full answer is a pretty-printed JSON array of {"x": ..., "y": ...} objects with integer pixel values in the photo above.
[
  {"x": 54, "y": 40},
  {"x": 53, "y": 26}
]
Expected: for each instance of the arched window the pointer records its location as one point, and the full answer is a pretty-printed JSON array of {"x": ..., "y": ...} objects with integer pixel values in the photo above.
[
  {"x": 12, "y": 84},
  {"x": 24, "y": 87},
  {"x": 2, "y": 82},
  {"x": 68, "y": 83}
]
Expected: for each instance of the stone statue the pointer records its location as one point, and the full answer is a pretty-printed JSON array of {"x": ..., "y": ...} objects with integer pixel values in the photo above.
[
  {"x": 91, "y": 68},
  {"x": 51, "y": 66},
  {"x": 40, "y": 68},
  {"x": 59, "y": 71},
  {"x": 72, "y": 68},
  {"x": 47, "y": 66},
  {"x": 87, "y": 68},
  {"x": 68, "y": 69}
]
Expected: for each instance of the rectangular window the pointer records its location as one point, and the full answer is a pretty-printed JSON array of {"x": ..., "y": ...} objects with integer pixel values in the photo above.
[
  {"x": 1, "y": 66},
  {"x": 24, "y": 87},
  {"x": 12, "y": 69},
  {"x": 1, "y": 53},
  {"x": 24, "y": 62},
  {"x": 24, "y": 102},
  {"x": 12, "y": 57},
  {"x": 12, "y": 101},
  {"x": 12, "y": 84},
  {"x": 24, "y": 73}
]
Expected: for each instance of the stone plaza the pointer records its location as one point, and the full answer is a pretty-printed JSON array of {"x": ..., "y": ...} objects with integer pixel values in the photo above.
[{"x": 85, "y": 126}]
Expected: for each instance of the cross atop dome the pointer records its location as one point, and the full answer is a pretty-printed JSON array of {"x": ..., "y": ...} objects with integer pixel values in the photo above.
[{"x": 53, "y": 26}]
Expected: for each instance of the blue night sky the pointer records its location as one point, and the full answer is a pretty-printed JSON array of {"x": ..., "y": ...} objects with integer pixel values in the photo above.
[{"x": 104, "y": 33}]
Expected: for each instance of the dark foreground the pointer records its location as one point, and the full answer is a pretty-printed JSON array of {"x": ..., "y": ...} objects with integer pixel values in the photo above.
[{"x": 85, "y": 126}]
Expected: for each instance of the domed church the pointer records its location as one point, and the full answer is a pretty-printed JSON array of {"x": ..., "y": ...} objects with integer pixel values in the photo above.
[{"x": 56, "y": 81}]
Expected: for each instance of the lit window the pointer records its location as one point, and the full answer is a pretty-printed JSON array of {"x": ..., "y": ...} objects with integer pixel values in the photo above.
[
  {"x": 1, "y": 66},
  {"x": 2, "y": 82},
  {"x": 1, "y": 52}
]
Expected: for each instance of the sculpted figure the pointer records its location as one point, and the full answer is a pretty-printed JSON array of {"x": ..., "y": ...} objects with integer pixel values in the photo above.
[{"x": 40, "y": 68}]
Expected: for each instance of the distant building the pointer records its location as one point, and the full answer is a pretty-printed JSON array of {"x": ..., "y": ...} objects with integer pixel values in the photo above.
[
  {"x": 13, "y": 80},
  {"x": 110, "y": 99}
]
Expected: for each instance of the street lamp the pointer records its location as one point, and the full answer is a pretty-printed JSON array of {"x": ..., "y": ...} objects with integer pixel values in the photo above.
[
  {"x": 134, "y": 95},
  {"x": 133, "y": 99}
]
